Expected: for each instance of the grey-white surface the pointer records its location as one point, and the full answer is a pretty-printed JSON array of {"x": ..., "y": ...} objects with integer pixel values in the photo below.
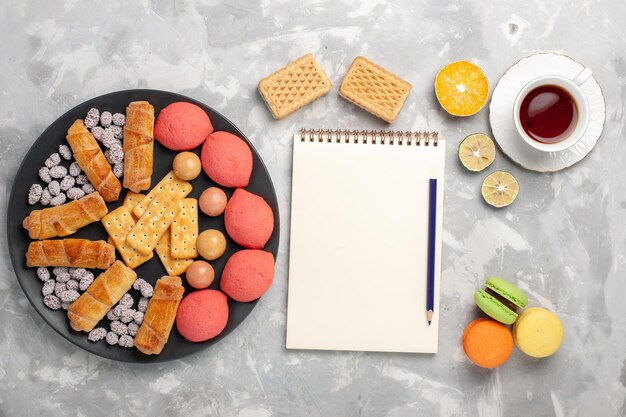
[{"x": 563, "y": 240}]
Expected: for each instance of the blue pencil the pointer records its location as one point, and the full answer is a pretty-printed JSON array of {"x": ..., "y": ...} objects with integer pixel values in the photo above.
[{"x": 432, "y": 225}]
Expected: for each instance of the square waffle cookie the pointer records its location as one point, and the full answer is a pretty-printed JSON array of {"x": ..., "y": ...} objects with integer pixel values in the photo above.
[
  {"x": 374, "y": 89},
  {"x": 294, "y": 86}
]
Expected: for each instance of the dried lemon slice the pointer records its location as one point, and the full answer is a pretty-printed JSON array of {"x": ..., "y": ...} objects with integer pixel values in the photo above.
[
  {"x": 461, "y": 88},
  {"x": 500, "y": 189},
  {"x": 477, "y": 152}
]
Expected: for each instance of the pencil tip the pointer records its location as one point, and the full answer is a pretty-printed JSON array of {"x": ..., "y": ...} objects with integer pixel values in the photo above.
[
  {"x": 429, "y": 322},
  {"x": 429, "y": 316}
]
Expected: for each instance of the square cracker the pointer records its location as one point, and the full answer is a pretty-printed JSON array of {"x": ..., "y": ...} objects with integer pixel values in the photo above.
[
  {"x": 374, "y": 89},
  {"x": 184, "y": 230},
  {"x": 118, "y": 223},
  {"x": 174, "y": 189},
  {"x": 153, "y": 224},
  {"x": 172, "y": 266},
  {"x": 294, "y": 86},
  {"x": 131, "y": 200}
]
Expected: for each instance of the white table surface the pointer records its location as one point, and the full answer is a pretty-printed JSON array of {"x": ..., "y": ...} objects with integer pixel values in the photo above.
[{"x": 563, "y": 241}]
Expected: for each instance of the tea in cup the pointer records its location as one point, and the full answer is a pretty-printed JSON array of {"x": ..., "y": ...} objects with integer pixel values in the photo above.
[{"x": 551, "y": 113}]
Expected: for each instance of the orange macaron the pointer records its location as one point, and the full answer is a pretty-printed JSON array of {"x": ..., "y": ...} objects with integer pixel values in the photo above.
[{"x": 487, "y": 343}]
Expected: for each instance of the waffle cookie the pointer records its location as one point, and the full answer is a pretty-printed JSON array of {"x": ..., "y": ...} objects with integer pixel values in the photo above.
[
  {"x": 374, "y": 89},
  {"x": 294, "y": 86}
]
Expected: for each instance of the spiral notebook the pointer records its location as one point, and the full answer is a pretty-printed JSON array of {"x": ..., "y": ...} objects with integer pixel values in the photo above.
[{"x": 359, "y": 240}]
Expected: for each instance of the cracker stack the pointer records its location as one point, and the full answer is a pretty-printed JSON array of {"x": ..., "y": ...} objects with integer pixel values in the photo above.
[
  {"x": 374, "y": 89},
  {"x": 294, "y": 86},
  {"x": 163, "y": 221}
]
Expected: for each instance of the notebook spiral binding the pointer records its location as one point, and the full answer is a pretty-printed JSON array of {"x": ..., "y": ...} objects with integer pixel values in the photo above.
[{"x": 392, "y": 137}]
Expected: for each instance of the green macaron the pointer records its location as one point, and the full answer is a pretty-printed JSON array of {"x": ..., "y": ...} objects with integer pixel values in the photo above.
[{"x": 500, "y": 300}]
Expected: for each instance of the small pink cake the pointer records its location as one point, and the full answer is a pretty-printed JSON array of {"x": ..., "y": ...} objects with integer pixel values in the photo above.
[
  {"x": 227, "y": 159},
  {"x": 182, "y": 126},
  {"x": 248, "y": 274},
  {"x": 202, "y": 315},
  {"x": 249, "y": 220}
]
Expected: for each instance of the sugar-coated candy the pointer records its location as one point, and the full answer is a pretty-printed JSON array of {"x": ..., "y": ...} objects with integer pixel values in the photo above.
[
  {"x": 114, "y": 156},
  {"x": 85, "y": 283},
  {"x": 48, "y": 287},
  {"x": 138, "y": 317},
  {"x": 64, "y": 277},
  {"x": 126, "y": 341},
  {"x": 54, "y": 187},
  {"x": 111, "y": 315},
  {"x": 59, "y": 287},
  {"x": 116, "y": 144},
  {"x": 75, "y": 193},
  {"x": 127, "y": 316},
  {"x": 139, "y": 282},
  {"x": 97, "y": 334},
  {"x": 82, "y": 179},
  {"x": 65, "y": 152},
  {"x": 60, "y": 270},
  {"x": 147, "y": 290},
  {"x": 69, "y": 296},
  {"x": 94, "y": 113},
  {"x": 142, "y": 305},
  {"x": 126, "y": 300},
  {"x": 119, "y": 309},
  {"x": 44, "y": 174},
  {"x": 43, "y": 273},
  {"x": 107, "y": 137},
  {"x": 72, "y": 285},
  {"x": 119, "y": 119},
  {"x": 93, "y": 117},
  {"x": 133, "y": 328},
  {"x": 58, "y": 171},
  {"x": 53, "y": 160},
  {"x": 112, "y": 338},
  {"x": 52, "y": 302},
  {"x": 97, "y": 132},
  {"x": 118, "y": 170},
  {"x": 75, "y": 169},
  {"x": 34, "y": 194},
  {"x": 57, "y": 200},
  {"x": 119, "y": 327},
  {"x": 78, "y": 273},
  {"x": 88, "y": 188},
  {"x": 106, "y": 118},
  {"x": 67, "y": 182},
  {"x": 118, "y": 132},
  {"x": 45, "y": 197}
]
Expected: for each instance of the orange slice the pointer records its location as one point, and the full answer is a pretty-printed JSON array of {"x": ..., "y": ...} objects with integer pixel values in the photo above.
[{"x": 461, "y": 88}]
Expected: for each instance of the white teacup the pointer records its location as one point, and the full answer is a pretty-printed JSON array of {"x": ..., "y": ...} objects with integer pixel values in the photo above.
[{"x": 572, "y": 86}]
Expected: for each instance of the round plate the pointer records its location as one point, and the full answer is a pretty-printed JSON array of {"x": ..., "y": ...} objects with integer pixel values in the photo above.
[
  {"x": 48, "y": 142},
  {"x": 501, "y": 113}
]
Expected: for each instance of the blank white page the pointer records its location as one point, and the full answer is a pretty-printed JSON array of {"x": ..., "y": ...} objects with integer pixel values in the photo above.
[{"x": 359, "y": 246}]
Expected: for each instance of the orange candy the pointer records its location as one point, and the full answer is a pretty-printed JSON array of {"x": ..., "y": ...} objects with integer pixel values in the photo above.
[
  {"x": 200, "y": 274},
  {"x": 213, "y": 201},
  {"x": 487, "y": 343},
  {"x": 211, "y": 244},
  {"x": 187, "y": 166}
]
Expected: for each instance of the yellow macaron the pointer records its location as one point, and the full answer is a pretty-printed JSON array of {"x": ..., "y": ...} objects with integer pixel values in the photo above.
[{"x": 538, "y": 332}]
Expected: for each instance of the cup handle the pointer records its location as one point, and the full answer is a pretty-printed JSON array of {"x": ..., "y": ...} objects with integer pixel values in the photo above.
[{"x": 583, "y": 76}]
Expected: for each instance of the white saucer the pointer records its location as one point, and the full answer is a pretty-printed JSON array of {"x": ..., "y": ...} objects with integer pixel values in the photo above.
[{"x": 501, "y": 113}]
